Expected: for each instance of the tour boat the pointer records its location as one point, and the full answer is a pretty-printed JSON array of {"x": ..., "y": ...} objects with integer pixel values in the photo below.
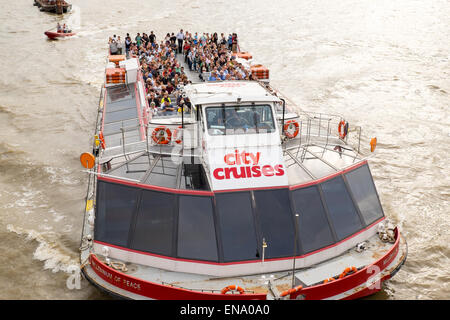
[
  {"x": 242, "y": 196},
  {"x": 55, "y": 35}
]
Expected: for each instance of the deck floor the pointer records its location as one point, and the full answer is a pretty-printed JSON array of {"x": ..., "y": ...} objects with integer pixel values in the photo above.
[{"x": 192, "y": 75}]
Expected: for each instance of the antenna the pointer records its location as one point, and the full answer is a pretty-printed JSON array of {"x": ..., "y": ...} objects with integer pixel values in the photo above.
[
  {"x": 295, "y": 250},
  {"x": 264, "y": 246}
]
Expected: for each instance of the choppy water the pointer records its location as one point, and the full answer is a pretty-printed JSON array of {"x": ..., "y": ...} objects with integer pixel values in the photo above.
[{"x": 382, "y": 64}]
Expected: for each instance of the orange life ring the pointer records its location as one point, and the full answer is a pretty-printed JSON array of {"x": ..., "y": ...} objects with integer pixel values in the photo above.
[
  {"x": 232, "y": 287},
  {"x": 102, "y": 139},
  {"x": 286, "y": 127},
  {"x": 177, "y": 132},
  {"x": 291, "y": 291},
  {"x": 87, "y": 160},
  {"x": 159, "y": 135},
  {"x": 343, "y": 129}
]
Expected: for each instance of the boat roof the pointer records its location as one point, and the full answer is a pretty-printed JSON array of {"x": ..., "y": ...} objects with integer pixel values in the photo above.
[{"x": 228, "y": 92}]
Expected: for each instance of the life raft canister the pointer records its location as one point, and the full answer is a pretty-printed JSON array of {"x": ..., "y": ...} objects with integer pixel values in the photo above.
[
  {"x": 288, "y": 125},
  {"x": 178, "y": 135},
  {"x": 343, "y": 129},
  {"x": 161, "y": 135},
  {"x": 232, "y": 287}
]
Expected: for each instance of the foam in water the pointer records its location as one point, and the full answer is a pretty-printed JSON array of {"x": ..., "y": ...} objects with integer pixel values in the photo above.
[{"x": 55, "y": 255}]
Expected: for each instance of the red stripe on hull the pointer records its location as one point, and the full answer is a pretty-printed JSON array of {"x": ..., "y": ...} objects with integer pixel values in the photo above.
[
  {"x": 353, "y": 281},
  {"x": 158, "y": 291},
  {"x": 356, "y": 282}
]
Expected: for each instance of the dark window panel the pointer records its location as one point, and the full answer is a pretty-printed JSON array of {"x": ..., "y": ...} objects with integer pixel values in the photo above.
[
  {"x": 154, "y": 224},
  {"x": 237, "y": 226},
  {"x": 340, "y": 206},
  {"x": 314, "y": 230},
  {"x": 115, "y": 207},
  {"x": 277, "y": 222},
  {"x": 364, "y": 192},
  {"x": 196, "y": 232}
]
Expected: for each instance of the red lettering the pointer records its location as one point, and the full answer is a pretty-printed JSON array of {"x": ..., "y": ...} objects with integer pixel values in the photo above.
[
  {"x": 245, "y": 158},
  {"x": 248, "y": 172},
  {"x": 227, "y": 159},
  {"x": 227, "y": 172},
  {"x": 267, "y": 171},
  {"x": 254, "y": 158},
  {"x": 279, "y": 170},
  {"x": 256, "y": 171},
  {"x": 234, "y": 170},
  {"x": 216, "y": 174},
  {"x": 238, "y": 158}
]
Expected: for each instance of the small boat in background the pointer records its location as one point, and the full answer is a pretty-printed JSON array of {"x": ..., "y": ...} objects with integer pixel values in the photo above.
[
  {"x": 54, "y": 35},
  {"x": 56, "y": 6}
]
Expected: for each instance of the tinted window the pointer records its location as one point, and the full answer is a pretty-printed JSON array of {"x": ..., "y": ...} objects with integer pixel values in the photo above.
[
  {"x": 239, "y": 120},
  {"x": 314, "y": 230},
  {"x": 196, "y": 233},
  {"x": 342, "y": 212},
  {"x": 154, "y": 224},
  {"x": 363, "y": 189},
  {"x": 115, "y": 207},
  {"x": 236, "y": 225},
  {"x": 277, "y": 223}
]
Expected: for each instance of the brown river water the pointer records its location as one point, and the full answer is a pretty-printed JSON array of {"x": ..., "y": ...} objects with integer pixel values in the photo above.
[{"x": 384, "y": 65}]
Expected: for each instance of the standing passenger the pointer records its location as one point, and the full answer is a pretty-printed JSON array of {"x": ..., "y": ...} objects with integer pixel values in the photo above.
[
  {"x": 230, "y": 41},
  {"x": 119, "y": 45},
  {"x": 234, "y": 43},
  {"x": 138, "y": 40},
  {"x": 152, "y": 38},
  {"x": 127, "y": 44},
  {"x": 180, "y": 38}
]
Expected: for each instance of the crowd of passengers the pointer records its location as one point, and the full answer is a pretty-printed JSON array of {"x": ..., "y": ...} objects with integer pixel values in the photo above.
[{"x": 162, "y": 72}]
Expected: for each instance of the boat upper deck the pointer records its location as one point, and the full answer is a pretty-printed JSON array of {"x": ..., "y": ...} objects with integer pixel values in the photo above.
[{"x": 127, "y": 124}]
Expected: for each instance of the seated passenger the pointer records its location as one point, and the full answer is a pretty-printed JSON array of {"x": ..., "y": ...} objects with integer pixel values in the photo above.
[
  {"x": 167, "y": 108},
  {"x": 58, "y": 28},
  {"x": 213, "y": 77},
  {"x": 165, "y": 98}
]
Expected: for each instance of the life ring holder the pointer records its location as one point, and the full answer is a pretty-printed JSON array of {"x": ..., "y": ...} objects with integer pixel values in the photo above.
[
  {"x": 178, "y": 132},
  {"x": 232, "y": 287},
  {"x": 286, "y": 127},
  {"x": 343, "y": 129},
  {"x": 159, "y": 137}
]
